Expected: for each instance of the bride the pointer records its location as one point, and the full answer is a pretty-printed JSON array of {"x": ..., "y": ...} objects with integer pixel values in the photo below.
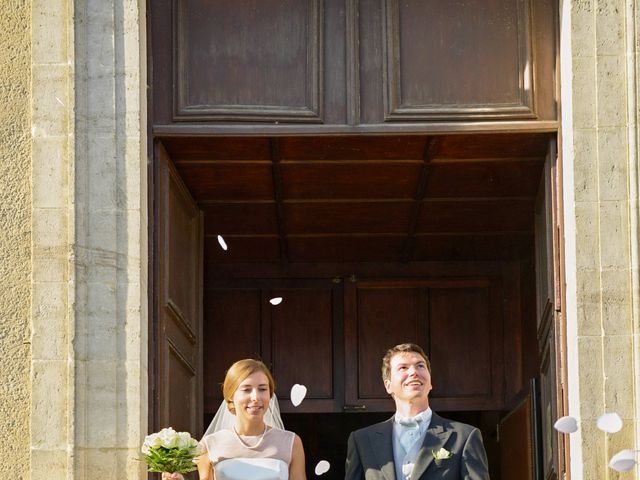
[{"x": 246, "y": 438}]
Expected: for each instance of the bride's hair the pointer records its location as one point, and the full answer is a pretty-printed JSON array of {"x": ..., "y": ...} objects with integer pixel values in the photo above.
[{"x": 236, "y": 375}]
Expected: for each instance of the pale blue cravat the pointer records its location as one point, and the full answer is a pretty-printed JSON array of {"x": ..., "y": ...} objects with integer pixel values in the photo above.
[{"x": 409, "y": 430}]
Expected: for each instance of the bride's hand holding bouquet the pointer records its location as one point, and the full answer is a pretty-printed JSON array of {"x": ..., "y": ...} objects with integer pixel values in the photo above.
[{"x": 170, "y": 452}]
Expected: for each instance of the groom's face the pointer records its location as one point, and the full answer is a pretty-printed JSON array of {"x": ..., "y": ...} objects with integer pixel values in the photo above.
[{"x": 409, "y": 378}]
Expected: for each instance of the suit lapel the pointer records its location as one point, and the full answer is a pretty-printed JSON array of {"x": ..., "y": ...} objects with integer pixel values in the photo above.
[
  {"x": 435, "y": 439},
  {"x": 382, "y": 446}
]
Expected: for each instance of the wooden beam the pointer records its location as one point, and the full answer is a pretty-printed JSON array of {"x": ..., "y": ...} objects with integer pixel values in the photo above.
[
  {"x": 274, "y": 145},
  {"x": 431, "y": 128},
  {"x": 430, "y": 150}
]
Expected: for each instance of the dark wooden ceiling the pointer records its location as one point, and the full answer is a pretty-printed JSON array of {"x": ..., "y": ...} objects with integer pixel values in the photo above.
[{"x": 364, "y": 199}]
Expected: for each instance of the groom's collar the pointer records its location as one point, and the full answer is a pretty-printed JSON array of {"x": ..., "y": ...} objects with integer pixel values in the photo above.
[{"x": 424, "y": 417}]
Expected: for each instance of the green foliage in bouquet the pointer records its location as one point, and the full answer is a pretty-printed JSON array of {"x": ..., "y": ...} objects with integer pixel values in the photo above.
[{"x": 170, "y": 451}]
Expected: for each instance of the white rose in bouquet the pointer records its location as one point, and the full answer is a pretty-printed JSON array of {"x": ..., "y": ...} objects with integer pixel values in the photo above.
[{"x": 170, "y": 451}]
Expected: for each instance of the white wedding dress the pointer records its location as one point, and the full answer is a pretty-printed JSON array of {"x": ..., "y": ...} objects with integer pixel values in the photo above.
[
  {"x": 252, "y": 468},
  {"x": 239, "y": 457}
]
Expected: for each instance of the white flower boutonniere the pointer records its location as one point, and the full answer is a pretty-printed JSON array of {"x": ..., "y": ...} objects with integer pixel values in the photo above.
[{"x": 440, "y": 455}]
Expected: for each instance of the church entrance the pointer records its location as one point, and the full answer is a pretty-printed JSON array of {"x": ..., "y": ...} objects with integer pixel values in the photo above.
[{"x": 447, "y": 241}]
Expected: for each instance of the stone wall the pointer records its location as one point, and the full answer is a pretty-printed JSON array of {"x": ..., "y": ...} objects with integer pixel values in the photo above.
[
  {"x": 15, "y": 237},
  {"x": 89, "y": 369},
  {"x": 599, "y": 125}
]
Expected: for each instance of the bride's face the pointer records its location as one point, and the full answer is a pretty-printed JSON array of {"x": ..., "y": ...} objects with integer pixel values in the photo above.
[{"x": 251, "y": 399}]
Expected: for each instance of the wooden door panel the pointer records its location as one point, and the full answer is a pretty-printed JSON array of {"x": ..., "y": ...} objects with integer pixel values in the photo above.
[
  {"x": 457, "y": 321},
  {"x": 356, "y": 63},
  {"x": 385, "y": 317},
  {"x": 299, "y": 339},
  {"x": 231, "y": 332},
  {"x": 428, "y": 41},
  {"x": 302, "y": 342},
  {"x": 264, "y": 58},
  {"x": 516, "y": 439},
  {"x": 183, "y": 403},
  {"x": 460, "y": 342},
  {"x": 179, "y": 252}
]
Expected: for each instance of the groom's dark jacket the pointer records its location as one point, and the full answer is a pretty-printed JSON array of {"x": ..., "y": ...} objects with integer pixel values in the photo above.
[{"x": 370, "y": 453}]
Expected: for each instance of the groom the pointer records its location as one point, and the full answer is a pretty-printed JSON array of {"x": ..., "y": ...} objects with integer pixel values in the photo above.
[{"x": 416, "y": 443}]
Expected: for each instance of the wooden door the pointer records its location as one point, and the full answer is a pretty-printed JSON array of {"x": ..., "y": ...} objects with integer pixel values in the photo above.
[
  {"x": 179, "y": 309},
  {"x": 299, "y": 339},
  {"x": 518, "y": 437},
  {"x": 457, "y": 321},
  {"x": 550, "y": 317}
]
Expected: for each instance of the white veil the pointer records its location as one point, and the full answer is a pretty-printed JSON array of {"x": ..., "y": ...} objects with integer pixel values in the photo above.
[{"x": 225, "y": 420}]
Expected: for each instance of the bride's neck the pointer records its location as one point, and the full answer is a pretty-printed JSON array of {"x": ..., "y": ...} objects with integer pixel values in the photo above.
[{"x": 254, "y": 428}]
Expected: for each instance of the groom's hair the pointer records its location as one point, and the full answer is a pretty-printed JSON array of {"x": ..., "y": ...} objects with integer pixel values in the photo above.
[{"x": 401, "y": 348}]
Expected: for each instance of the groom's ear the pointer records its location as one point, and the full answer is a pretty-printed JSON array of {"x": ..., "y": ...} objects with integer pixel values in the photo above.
[{"x": 387, "y": 386}]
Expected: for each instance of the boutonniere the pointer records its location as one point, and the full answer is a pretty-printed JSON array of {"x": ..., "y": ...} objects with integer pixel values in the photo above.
[{"x": 442, "y": 454}]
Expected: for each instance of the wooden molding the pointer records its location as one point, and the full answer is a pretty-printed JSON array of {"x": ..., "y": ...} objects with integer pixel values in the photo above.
[
  {"x": 311, "y": 112},
  {"x": 394, "y": 108}
]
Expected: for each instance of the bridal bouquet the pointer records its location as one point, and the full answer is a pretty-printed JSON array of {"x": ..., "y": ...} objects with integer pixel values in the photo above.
[{"x": 170, "y": 451}]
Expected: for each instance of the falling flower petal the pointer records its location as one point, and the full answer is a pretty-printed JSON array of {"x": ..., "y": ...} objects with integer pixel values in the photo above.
[
  {"x": 623, "y": 461},
  {"x": 222, "y": 243},
  {"x": 322, "y": 467},
  {"x": 275, "y": 301},
  {"x": 610, "y": 422},
  {"x": 298, "y": 392},
  {"x": 566, "y": 424}
]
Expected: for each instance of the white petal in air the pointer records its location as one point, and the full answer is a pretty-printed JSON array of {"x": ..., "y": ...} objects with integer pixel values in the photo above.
[
  {"x": 222, "y": 243},
  {"x": 298, "y": 392},
  {"x": 623, "y": 461},
  {"x": 275, "y": 301},
  {"x": 610, "y": 422},
  {"x": 566, "y": 425},
  {"x": 322, "y": 467}
]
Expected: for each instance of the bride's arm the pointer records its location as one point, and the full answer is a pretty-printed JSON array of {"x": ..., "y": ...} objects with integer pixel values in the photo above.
[
  {"x": 205, "y": 472},
  {"x": 296, "y": 468}
]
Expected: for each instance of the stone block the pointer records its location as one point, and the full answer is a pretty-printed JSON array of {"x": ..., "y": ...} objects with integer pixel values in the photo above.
[
  {"x": 585, "y": 161},
  {"x": 614, "y": 228},
  {"x": 102, "y": 236},
  {"x": 133, "y": 175},
  {"x": 99, "y": 110},
  {"x": 102, "y": 172},
  {"x": 132, "y": 404},
  {"x": 102, "y": 463},
  {"x": 49, "y": 31},
  {"x": 50, "y": 269},
  {"x": 588, "y": 302},
  {"x": 619, "y": 377},
  {"x": 49, "y": 321},
  {"x": 129, "y": 233},
  {"x": 611, "y": 91},
  {"x": 613, "y": 151},
  {"x": 610, "y": 27},
  {"x": 100, "y": 407},
  {"x": 593, "y": 451},
  {"x": 616, "y": 302},
  {"x": 584, "y": 92},
  {"x": 587, "y": 235},
  {"x": 49, "y": 404},
  {"x": 49, "y": 172},
  {"x": 50, "y": 229},
  {"x": 50, "y": 101},
  {"x": 583, "y": 28},
  {"x": 590, "y": 377},
  {"x": 49, "y": 464}
]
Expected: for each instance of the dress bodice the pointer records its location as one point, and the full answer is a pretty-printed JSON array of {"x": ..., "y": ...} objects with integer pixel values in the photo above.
[
  {"x": 266, "y": 457},
  {"x": 253, "y": 468}
]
